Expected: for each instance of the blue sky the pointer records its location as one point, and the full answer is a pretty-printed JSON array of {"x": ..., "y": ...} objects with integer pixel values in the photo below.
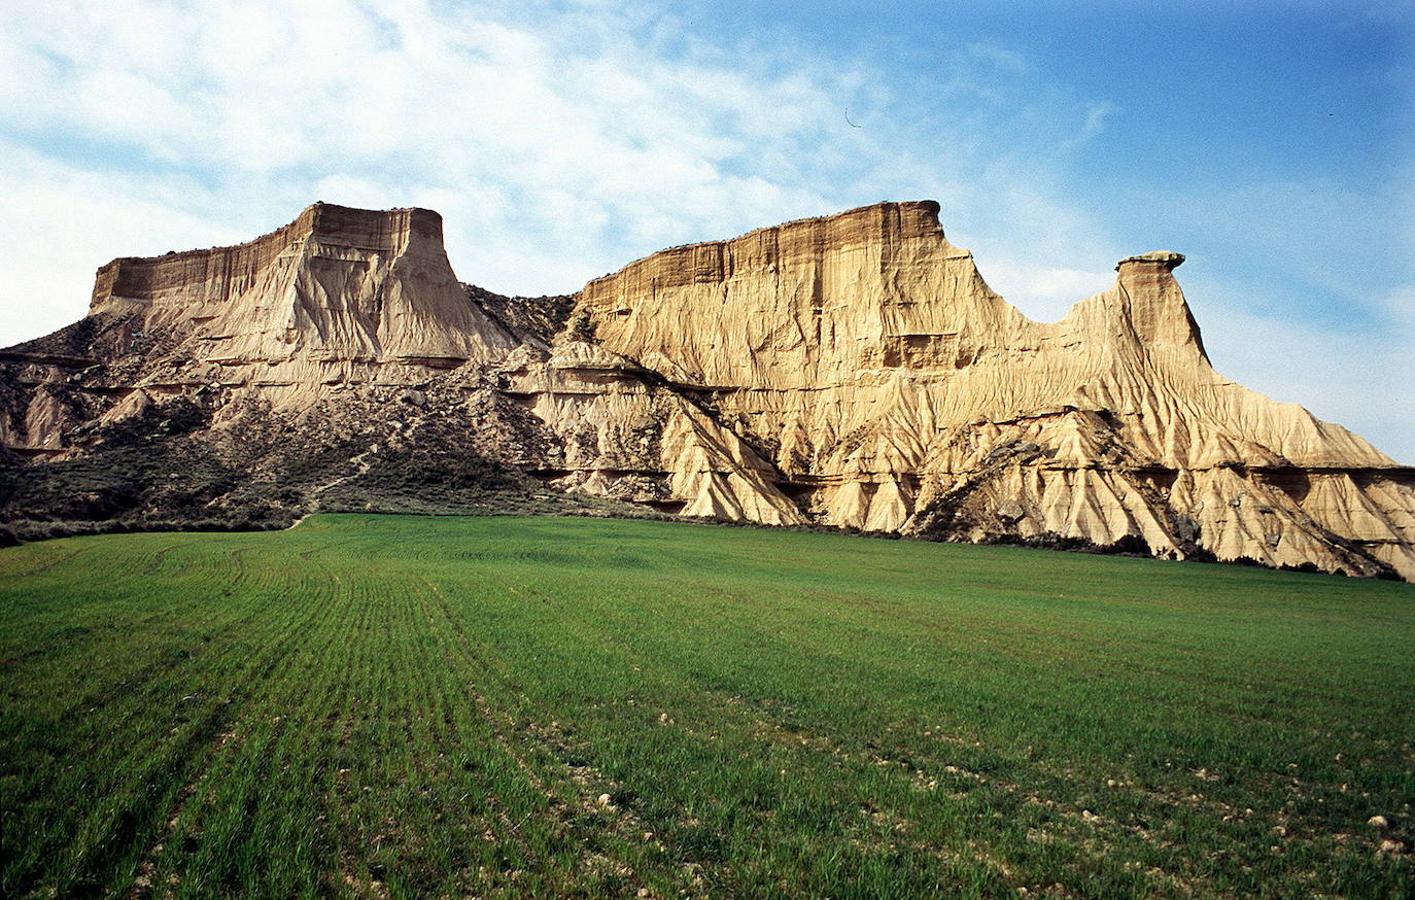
[{"x": 1270, "y": 142}]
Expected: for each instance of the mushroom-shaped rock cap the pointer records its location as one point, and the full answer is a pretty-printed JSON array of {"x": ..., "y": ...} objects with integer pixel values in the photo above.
[{"x": 1167, "y": 258}]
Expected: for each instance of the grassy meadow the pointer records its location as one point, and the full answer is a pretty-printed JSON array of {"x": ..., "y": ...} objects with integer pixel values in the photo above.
[{"x": 399, "y": 706}]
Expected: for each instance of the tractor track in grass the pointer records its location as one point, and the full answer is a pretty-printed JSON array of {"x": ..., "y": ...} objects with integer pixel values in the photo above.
[
  {"x": 258, "y": 696},
  {"x": 929, "y": 775},
  {"x": 1037, "y": 783},
  {"x": 169, "y": 662},
  {"x": 155, "y": 565},
  {"x": 911, "y": 769},
  {"x": 532, "y": 740},
  {"x": 100, "y": 695},
  {"x": 47, "y": 565},
  {"x": 439, "y": 622},
  {"x": 191, "y": 762},
  {"x": 147, "y": 861},
  {"x": 1092, "y": 834},
  {"x": 501, "y": 723},
  {"x": 763, "y": 721},
  {"x": 388, "y": 706}
]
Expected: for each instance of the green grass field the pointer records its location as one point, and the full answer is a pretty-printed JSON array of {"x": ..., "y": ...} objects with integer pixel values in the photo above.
[{"x": 397, "y": 706}]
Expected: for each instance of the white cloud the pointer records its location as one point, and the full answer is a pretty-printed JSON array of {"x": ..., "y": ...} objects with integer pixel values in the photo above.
[
  {"x": 1043, "y": 294},
  {"x": 1096, "y": 116},
  {"x": 998, "y": 56},
  {"x": 550, "y": 151}
]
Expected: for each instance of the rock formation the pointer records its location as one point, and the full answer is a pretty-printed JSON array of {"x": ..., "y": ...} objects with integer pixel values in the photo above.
[{"x": 852, "y": 371}]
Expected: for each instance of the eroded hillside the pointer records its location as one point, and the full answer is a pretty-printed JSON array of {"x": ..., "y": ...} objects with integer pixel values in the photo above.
[{"x": 852, "y": 371}]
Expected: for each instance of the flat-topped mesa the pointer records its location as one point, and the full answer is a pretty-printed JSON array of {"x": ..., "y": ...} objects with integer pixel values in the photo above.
[
  {"x": 808, "y": 302},
  {"x": 200, "y": 277},
  {"x": 337, "y": 285},
  {"x": 765, "y": 250},
  {"x": 867, "y": 360}
]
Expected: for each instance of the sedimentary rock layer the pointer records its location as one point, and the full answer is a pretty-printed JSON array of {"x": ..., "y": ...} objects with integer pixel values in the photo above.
[
  {"x": 317, "y": 301},
  {"x": 853, "y": 370},
  {"x": 895, "y": 391}
]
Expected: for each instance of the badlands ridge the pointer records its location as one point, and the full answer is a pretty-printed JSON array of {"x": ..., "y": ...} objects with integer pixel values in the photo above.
[{"x": 853, "y": 371}]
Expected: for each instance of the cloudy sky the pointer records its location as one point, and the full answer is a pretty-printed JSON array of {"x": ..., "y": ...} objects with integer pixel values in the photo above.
[{"x": 1271, "y": 142}]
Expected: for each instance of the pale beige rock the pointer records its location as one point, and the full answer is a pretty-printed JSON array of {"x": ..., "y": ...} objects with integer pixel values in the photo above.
[
  {"x": 339, "y": 295},
  {"x": 622, "y": 437},
  {"x": 869, "y": 356},
  {"x": 853, "y": 370}
]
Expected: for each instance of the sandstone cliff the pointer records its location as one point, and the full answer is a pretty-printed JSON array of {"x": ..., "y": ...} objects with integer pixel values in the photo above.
[
  {"x": 854, "y": 370},
  {"x": 338, "y": 295}
]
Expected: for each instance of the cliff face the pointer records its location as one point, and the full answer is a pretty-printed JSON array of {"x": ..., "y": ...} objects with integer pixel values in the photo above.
[
  {"x": 337, "y": 295},
  {"x": 854, "y": 370},
  {"x": 895, "y": 391}
]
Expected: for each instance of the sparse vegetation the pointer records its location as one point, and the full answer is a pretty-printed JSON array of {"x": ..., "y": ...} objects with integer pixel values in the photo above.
[
  {"x": 376, "y": 705},
  {"x": 150, "y": 474}
]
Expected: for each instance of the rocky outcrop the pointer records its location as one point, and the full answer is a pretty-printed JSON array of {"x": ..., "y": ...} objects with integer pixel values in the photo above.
[
  {"x": 339, "y": 295},
  {"x": 895, "y": 391},
  {"x": 853, "y": 370}
]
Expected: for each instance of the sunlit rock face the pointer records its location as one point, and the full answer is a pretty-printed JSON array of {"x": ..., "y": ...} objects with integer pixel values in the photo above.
[
  {"x": 868, "y": 361},
  {"x": 339, "y": 295},
  {"x": 853, "y": 370}
]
